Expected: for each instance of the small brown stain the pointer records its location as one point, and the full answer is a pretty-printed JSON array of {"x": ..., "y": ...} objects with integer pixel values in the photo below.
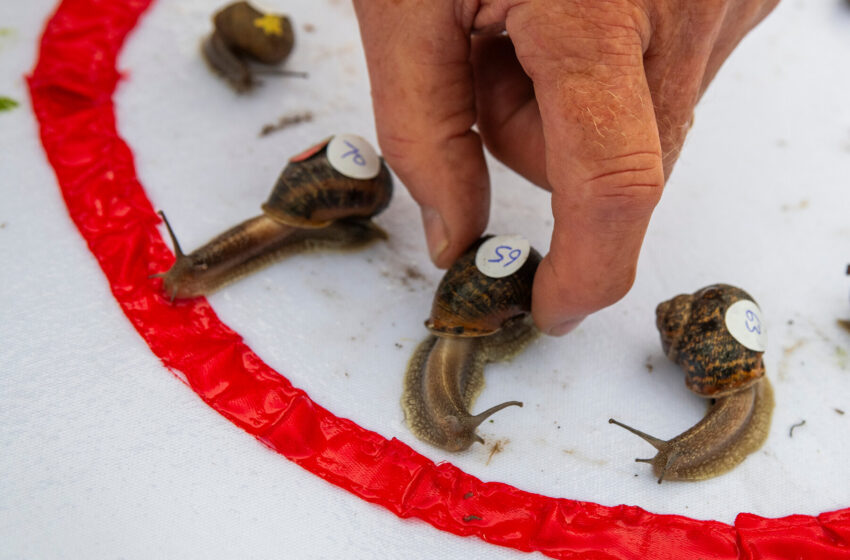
[
  {"x": 497, "y": 447},
  {"x": 802, "y": 205},
  {"x": 787, "y": 351},
  {"x": 469, "y": 518},
  {"x": 286, "y": 121},
  {"x": 843, "y": 323},
  {"x": 838, "y": 411},
  {"x": 468, "y": 495},
  {"x": 308, "y": 27},
  {"x": 648, "y": 364}
]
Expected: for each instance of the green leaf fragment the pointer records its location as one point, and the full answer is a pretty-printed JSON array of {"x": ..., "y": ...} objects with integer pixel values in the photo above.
[{"x": 7, "y": 103}]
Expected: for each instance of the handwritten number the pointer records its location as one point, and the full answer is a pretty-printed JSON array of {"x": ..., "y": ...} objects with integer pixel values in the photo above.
[
  {"x": 513, "y": 254},
  {"x": 355, "y": 154},
  {"x": 752, "y": 324}
]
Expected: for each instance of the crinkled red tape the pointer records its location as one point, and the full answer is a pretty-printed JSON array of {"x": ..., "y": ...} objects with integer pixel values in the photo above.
[{"x": 71, "y": 88}]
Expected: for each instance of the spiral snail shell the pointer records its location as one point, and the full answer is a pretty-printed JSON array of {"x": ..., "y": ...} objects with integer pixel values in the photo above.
[
  {"x": 700, "y": 333},
  {"x": 242, "y": 35},
  {"x": 313, "y": 205},
  {"x": 475, "y": 319}
]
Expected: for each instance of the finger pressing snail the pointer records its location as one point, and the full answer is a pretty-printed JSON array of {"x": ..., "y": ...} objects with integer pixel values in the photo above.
[
  {"x": 475, "y": 319},
  {"x": 324, "y": 199},
  {"x": 716, "y": 335},
  {"x": 244, "y": 36}
]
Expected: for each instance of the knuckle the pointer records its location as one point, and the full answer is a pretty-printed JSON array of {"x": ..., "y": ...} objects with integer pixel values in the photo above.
[{"x": 626, "y": 189}]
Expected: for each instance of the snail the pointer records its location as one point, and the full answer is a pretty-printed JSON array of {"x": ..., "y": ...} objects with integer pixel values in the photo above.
[
  {"x": 475, "y": 319},
  {"x": 717, "y": 337},
  {"x": 243, "y": 34},
  {"x": 324, "y": 198}
]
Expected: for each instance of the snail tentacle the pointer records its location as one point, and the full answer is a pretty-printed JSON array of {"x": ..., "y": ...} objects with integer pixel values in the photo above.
[{"x": 733, "y": 427}]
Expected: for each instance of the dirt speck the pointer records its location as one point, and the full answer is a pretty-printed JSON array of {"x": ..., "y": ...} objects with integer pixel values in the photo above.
[
  {"x": 399, "y": 346},
  {"x": 787, "y": 351},
  {"x": 802, "y": 205},
  {"x": 330, "y": 294},
  {"x": 497, "y": 447},
  {"x": 308, "y": 27},
  {"x": 793, "y": 427},
  {"x": 843, "y": 323},
  {"x": 469, "y": 518},
  {"x": 841, "y": 357},
  {"x": 648, "y": 364},
  {"x": 838, "y": 411},
  {"x": 468, "y": 495},
  {"x": 286, "y": 121}
]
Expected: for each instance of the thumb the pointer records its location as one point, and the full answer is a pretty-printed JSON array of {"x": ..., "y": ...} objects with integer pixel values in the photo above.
[{"x": 603, "y": 155}]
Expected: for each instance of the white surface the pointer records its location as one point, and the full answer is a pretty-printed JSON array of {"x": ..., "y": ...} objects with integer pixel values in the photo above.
[{"x": 103, "y": 453}]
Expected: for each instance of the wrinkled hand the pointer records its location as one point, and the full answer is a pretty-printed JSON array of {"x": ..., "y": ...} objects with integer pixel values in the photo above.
[{"x": 590, "y": 99}]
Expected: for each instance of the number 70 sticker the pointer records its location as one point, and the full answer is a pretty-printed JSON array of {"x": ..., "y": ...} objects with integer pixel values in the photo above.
[
  {"x": 502, "y": 255},
  {"x": 353, "y": 156}
]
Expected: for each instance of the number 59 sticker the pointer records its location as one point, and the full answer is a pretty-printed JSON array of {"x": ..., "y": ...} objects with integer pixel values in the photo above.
[
  {"x": 502, "y": 255},
  {"x": 744, "y": 322}
]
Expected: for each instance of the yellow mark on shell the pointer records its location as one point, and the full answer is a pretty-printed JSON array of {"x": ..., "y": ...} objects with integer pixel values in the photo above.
[{"x": 270, "y": 24}]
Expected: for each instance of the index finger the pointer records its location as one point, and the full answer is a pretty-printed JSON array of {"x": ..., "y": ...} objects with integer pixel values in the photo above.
[{"x": 603, "y": 154}]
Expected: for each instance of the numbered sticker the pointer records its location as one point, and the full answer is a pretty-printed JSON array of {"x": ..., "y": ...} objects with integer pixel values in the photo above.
[
  {"x": 353, "y": 157},
  {"x": 744, "y": 322},
  {"x": 502, "y": 255}
]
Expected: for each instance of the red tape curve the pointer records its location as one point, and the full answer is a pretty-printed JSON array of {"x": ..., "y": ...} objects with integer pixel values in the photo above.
[{"x": 71, "y": 88}]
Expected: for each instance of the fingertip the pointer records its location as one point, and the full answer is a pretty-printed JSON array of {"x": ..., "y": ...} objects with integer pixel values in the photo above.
[
  {"x": 564, "y": 328},
  {"x": 564, "y": 294},
  {"x": 436, "y": 233}
]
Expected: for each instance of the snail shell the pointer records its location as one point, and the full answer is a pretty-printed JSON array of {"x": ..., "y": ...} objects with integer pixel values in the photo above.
[
  {"x": 267, "y": 38},
  {"x": 311, "y": 193},
  {"x": 694, "y": 335},
  {"x": 243, "y": 34},
  {"x": 475, "y": 319},
  {"x": 312, "y": 206}
]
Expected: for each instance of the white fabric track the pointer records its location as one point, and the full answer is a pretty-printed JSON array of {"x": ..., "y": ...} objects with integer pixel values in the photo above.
[{"x": 105, "y": 454}]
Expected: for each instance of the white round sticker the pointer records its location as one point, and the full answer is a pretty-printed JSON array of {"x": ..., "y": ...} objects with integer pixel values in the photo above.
[
  {"x": 744, "y": 322},
  {"x": 502, "y": 255},
  {"x": 353, "y": 156}
]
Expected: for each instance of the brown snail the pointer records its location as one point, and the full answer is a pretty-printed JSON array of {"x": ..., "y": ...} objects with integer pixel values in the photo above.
[
  {"x": 717, "y": 336},
  {"x": 324, "y": 198},
  {"x": 475, "y": 319},
  {"x": 244, "y": 37}
]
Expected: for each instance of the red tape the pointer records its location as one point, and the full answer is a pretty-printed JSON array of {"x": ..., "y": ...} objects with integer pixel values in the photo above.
[{"x": 71, "y": 88}]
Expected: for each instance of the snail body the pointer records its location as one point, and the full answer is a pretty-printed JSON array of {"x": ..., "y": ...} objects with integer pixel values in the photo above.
[
  {"x": 243, "y": 35},
  {"x": 312, "y": 206},
  {"x": 475, "y": 319},
  {"x": 697, "y": 334}
]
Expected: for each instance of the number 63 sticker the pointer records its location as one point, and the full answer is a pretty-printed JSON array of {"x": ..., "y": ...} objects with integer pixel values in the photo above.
[
  {"x": 744, "y": 322},
  {"x": 502, "y": 255}
]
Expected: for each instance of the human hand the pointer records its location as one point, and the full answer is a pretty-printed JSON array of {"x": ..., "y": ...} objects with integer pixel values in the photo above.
[{"x": 590, "y": 99}]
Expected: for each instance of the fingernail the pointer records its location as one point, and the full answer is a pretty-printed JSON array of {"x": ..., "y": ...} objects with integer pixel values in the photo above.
[
  {"x": 564, "y": 328},
  {"x": 435, "y": 232}
]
